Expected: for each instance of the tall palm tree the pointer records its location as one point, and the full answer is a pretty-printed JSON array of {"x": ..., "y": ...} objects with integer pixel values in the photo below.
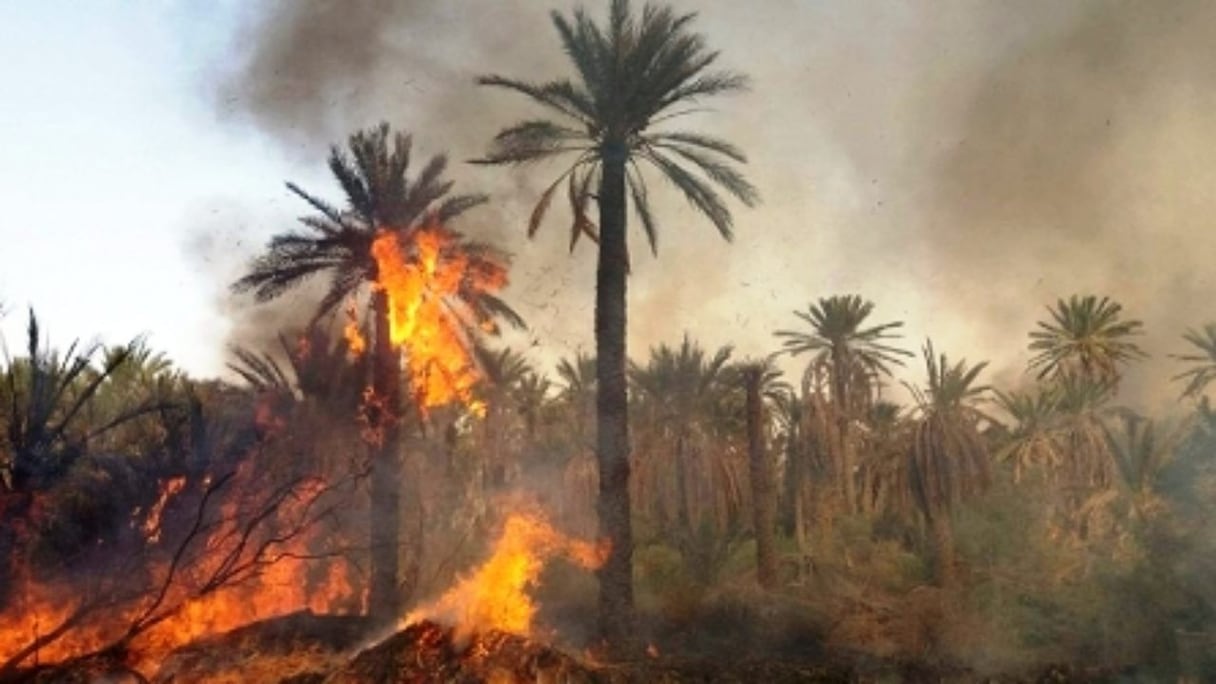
[
  {"x": 338, "y": 241},
  {"x": 1202, "y": 360},
  {"x": 949, "y": 457},
  {"x": 1086, "y": 337},
  {"x": 854, "y": 358},
  {"x": 631, "y": 75}
]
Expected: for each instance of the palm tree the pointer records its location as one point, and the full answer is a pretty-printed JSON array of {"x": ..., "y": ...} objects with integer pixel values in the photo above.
[
  {"x": 503, "y": 370},
  {"x": 676, "y": 391},
  {"x": 1141, "y": 451},
  {"x": 883, "y": 467},
  {"x": 762, "y": 381},
  {"x": 854, "y": 358},
  {"x": 949, "y": 457},
  {"x": 1085, "y": 337},
  {"x": 338, "y": 241},
  {"x": 1034, "y": 439},
  {"x": 632, "y": 74},
  {"x": 1202, "y": 360}
]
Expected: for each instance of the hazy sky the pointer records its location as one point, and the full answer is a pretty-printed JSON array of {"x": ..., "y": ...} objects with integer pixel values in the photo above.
[{"x": 961, "y": 163}]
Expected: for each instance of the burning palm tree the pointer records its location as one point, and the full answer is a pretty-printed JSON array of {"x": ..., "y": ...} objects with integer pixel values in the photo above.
[
  {"x": 632, "y": 74},
  {"x": 391, "y": 238}
]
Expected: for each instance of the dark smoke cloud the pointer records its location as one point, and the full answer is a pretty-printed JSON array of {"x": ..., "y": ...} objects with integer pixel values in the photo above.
[{"x": 961, "y": 163}]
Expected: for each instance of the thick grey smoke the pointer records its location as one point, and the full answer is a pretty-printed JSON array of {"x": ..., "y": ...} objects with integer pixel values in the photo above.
[{"x": 961, "y": 163}]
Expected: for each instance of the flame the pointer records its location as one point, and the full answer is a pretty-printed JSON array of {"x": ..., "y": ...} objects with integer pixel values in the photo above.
[
  {"x": 427, "y": 280},
  {"x": 289, "y": 583},
  {"x": 354, "y": 337},
  {"x": 151, "y": 524},
  {"x": 495, "y": 596}
]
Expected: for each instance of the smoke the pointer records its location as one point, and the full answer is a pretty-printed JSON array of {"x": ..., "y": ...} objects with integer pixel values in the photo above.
[{"x": 963, "y": 166}]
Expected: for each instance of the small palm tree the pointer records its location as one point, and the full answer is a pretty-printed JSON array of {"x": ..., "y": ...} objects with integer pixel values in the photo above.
[
  {"x": 854, "y": 357},
  {"x": 632, "y": 75},
  {"x": 50, "y": 401},
  {"x": 949, "y": 456},
  {"x": 1202, "y": 360},
  {"x": 1034, "y": 439},
  {"x": 1086, "y": 337}
]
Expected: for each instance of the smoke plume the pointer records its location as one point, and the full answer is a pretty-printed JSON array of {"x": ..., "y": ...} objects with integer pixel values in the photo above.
[{"x": 963, "y": 164}]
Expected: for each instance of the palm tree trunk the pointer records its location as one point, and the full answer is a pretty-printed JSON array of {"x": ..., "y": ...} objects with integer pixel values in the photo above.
[
  {"x": 612, "y": 419},
  {"x": 764, "y": 502},
  {"x": 384, "y": 599},
  {"x": 683, "y": 517},
  {"x": 847, "y": 460},
  {"x": 942, "y": 531}
]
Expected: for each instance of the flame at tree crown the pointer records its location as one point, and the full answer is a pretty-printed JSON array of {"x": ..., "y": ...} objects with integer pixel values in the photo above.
[{"x": 431, "y": 279}]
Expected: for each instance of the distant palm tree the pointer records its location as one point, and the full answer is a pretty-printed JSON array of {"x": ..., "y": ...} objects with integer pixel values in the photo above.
[
  {"x": 762, "y": 384},
  {"x": 884, "y": 469},
  {"x": 577, "y": 392},
  {"x": 1034, "y": 439},
  {"x": 949, "y": 456},
  {"x": 503, "y": 370},
  {"x": 854, "y": 358},
  {"x": 338, "y": 242},
  {"x": 632, "y": 74},
  {"x": 1085, "y": 337},
  {"x": 676, "y": 392},
  {"x": 1202, "y": 360}
]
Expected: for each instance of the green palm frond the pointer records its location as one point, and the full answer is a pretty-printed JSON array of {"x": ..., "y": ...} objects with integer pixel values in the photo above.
[
  {"x": 629, "y": 74},
  {"x": 853, "y": 355},
  {"x": 1202, "y": 360},
  {"x": 1086, "y": 336},
  {"x": 949, "y": 457}
]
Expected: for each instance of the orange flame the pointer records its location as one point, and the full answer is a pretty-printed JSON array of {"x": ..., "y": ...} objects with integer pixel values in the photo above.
[
  {"x": 290, "y": 582},
  {"x": 426, "y": 281},
  {"x": 151, "y": 525},
  {"x": 495, "y": 596},
  {"x": 354, "y": 337}
]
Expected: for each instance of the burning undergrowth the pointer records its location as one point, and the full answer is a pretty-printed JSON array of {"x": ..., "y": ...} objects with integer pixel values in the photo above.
[{"x": 220, "y": 540}]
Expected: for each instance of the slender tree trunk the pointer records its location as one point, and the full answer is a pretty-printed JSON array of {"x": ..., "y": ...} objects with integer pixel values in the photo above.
[
  {"x": 384, "y": 599},
  {"x": 848, "y": 460},
  {"x": 764, "y": 502},
  {"x": 612, "y": 418},
  {"x": 683, "y": 517},
  {"x": 942, "y": 531}
]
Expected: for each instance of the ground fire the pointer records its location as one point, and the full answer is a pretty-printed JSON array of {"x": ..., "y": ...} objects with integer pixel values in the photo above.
[{"x": 495, "y": 597}]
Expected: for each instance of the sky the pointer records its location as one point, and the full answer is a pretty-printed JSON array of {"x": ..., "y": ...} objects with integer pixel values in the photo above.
[{"x": 961, "y": 163}]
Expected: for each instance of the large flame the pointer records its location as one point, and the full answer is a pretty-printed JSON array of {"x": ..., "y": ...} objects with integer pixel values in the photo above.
[
  {"x": 495, "y": 595},
  {"x": 428, "y": 280},
  {"x": 287, "y": 583}
]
